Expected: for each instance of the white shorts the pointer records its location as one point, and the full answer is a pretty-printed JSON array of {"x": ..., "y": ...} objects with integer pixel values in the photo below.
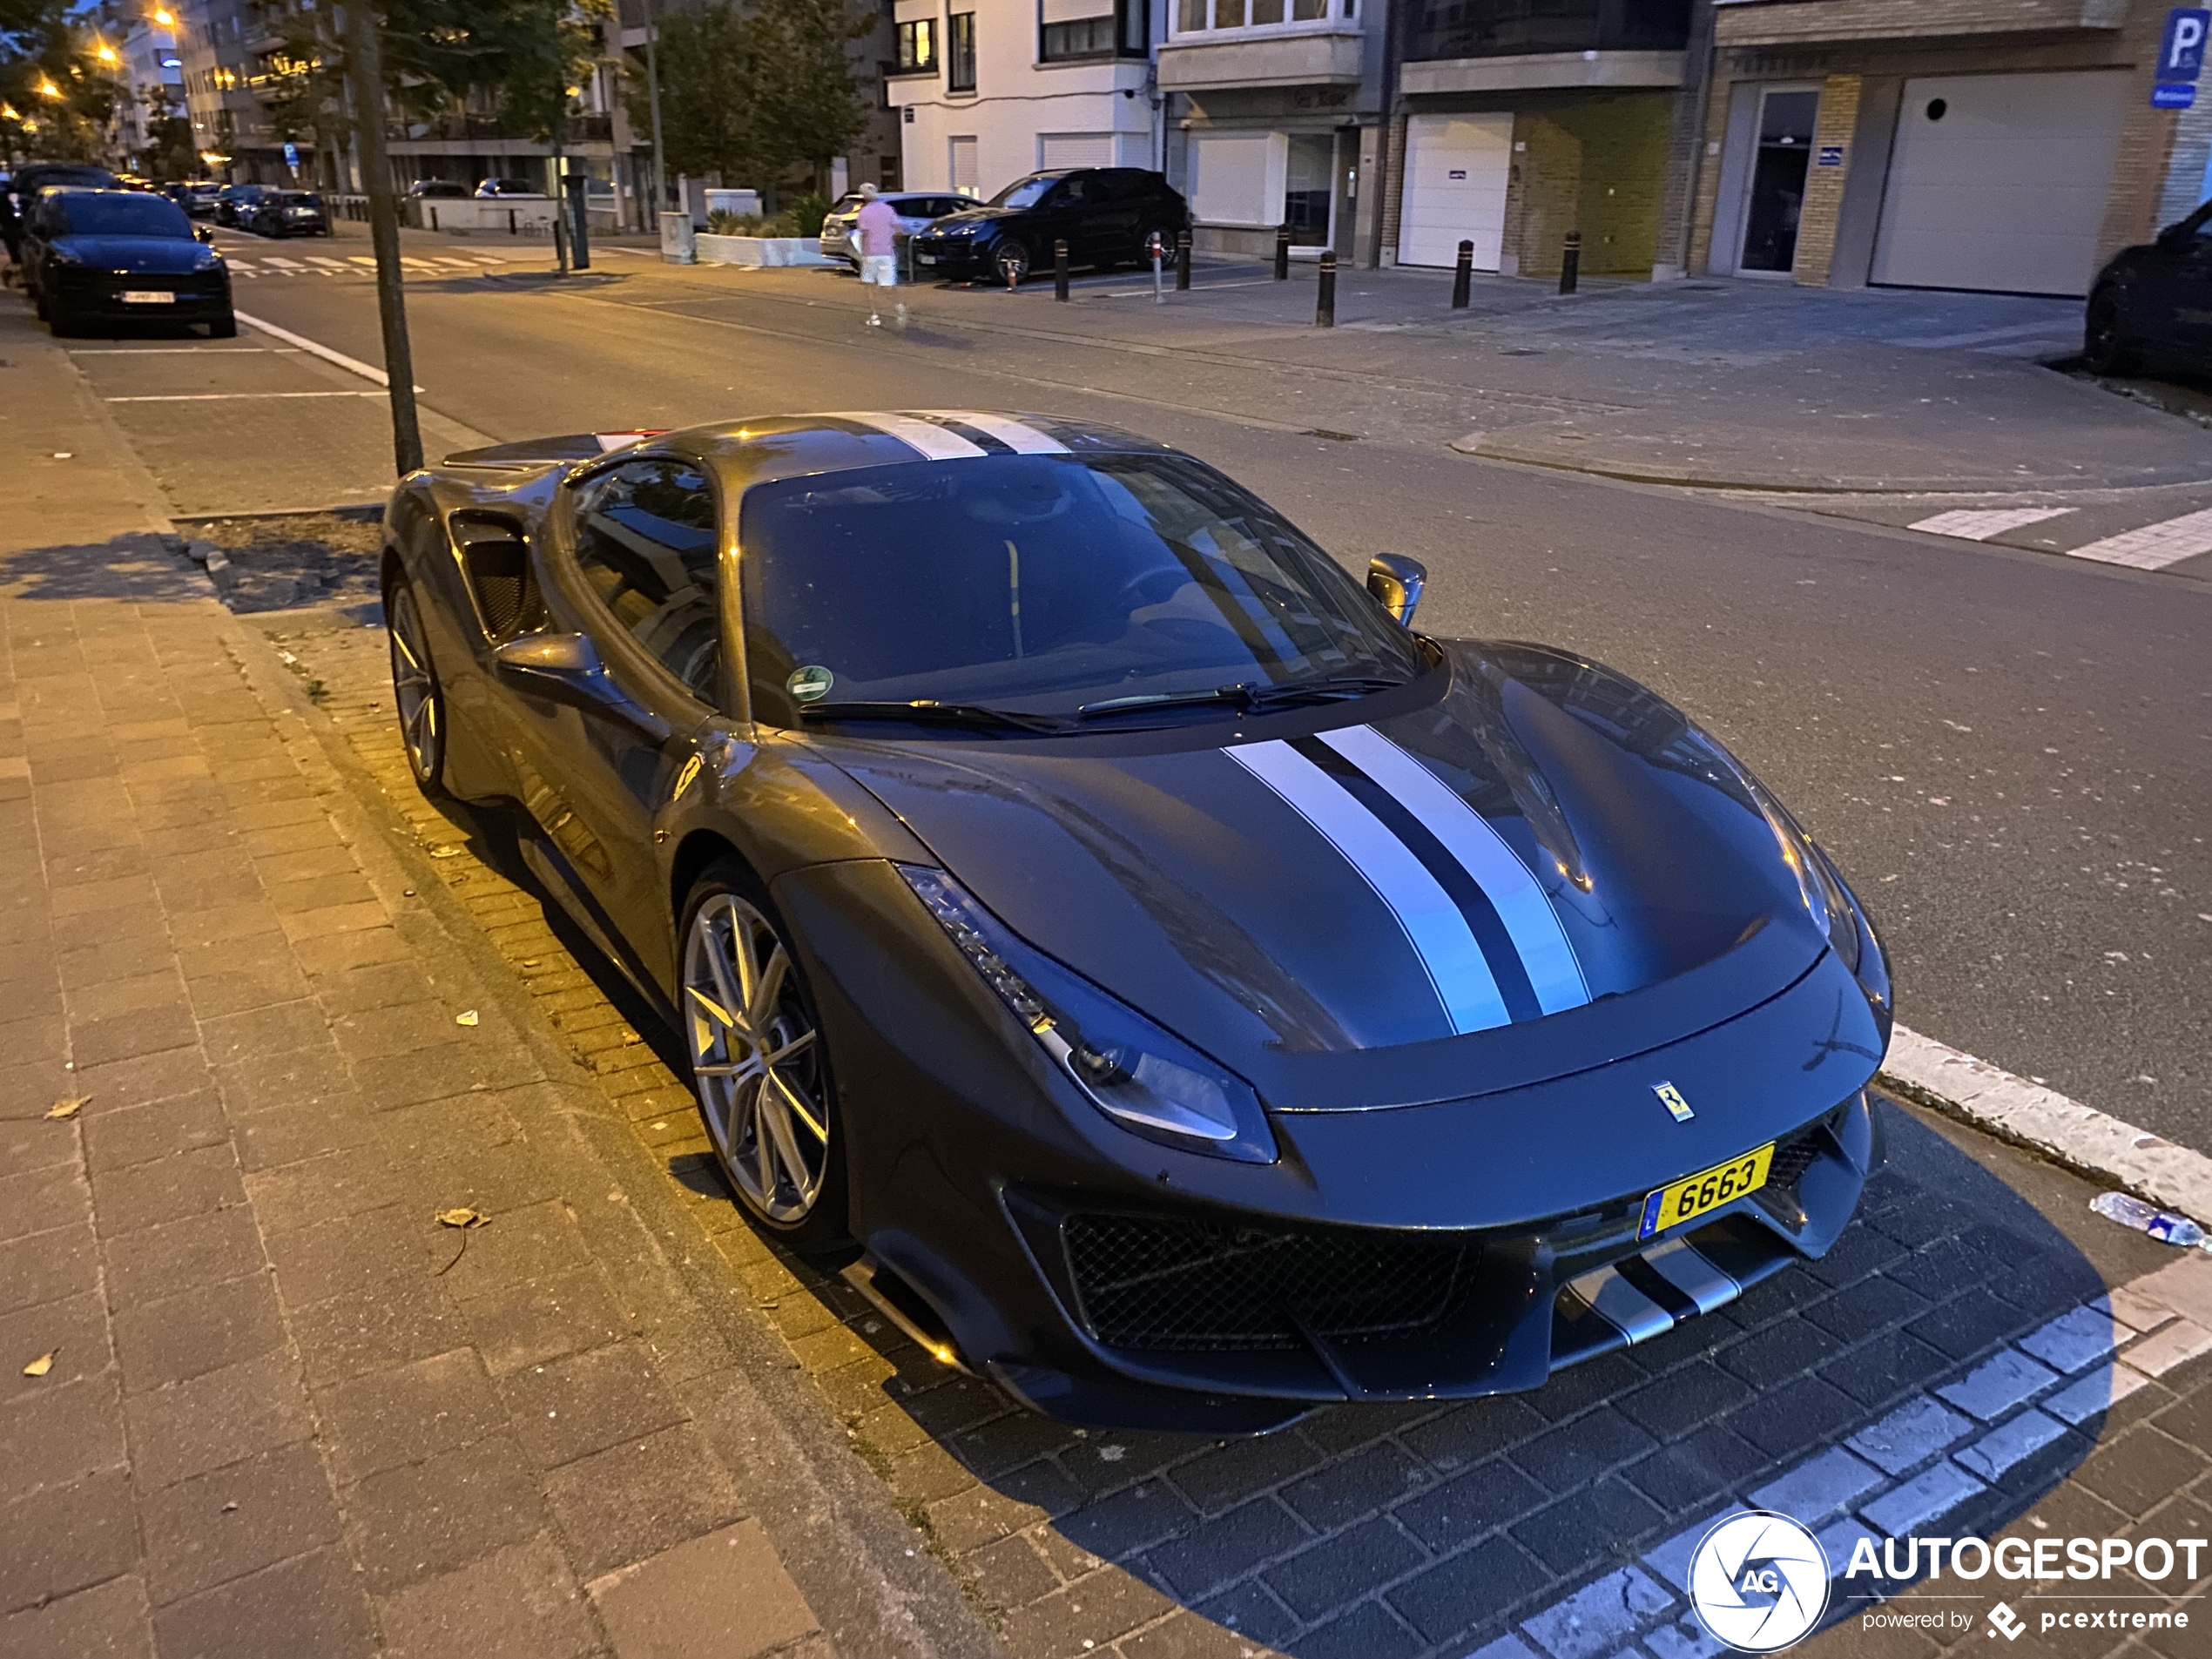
[{"x": 882, "y": 269}]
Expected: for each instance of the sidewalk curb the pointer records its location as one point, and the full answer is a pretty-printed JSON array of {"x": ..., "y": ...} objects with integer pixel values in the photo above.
[{"x": 2078, "y": 1137}]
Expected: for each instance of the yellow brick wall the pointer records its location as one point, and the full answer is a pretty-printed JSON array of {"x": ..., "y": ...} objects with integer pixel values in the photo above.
[
  {"x": 1596, "y": 166},
  {"x": 1825, "y": 186}
]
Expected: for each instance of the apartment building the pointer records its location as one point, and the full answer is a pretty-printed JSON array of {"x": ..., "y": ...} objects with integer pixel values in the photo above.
[{"x": 147, "y": 57}]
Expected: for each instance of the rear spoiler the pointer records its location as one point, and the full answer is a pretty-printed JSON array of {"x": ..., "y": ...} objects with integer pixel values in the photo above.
[{"x": 537, "y": 452}]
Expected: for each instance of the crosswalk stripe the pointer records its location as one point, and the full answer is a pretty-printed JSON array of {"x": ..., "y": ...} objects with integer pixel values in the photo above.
[
  {"x": 360, "y": 259},
  {"x": 327, "y": 264},
  {"x": 1978, "y": 524},
  {"x": 281, "y": 263},
  {"x": 2154, "y": 546}
]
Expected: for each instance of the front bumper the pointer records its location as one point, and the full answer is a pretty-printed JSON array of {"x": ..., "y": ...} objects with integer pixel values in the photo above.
[
  {"x": 203, "y": 297},
  {"x": 957, "y": 260}
]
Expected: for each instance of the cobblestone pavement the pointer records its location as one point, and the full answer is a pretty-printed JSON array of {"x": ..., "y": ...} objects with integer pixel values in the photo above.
[{"x": 1434, "y": 1530}]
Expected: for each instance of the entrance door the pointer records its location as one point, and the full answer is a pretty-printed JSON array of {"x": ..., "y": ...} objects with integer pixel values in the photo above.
[
  {"x": 1456, "y": 170},
  {"x": 1999, "y": 182},
  {"x": 1307, "y": 197},
  {"x": 1777, "y": 197}
]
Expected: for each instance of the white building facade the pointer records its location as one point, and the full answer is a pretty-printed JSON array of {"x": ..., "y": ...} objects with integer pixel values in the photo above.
[{"x": 989, "y": 91}]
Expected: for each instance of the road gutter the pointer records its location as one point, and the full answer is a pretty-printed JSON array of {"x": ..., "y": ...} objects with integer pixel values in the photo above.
[{"x": 2076, "y": 1136}]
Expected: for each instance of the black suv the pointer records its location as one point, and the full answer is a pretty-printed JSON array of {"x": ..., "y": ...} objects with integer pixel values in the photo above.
[
  {"x": 2151, "y": 306},
  {"x": 1106, "y": 215}
]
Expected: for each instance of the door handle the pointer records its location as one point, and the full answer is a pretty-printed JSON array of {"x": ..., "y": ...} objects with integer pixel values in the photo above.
[{"x": 567, "y": 668}]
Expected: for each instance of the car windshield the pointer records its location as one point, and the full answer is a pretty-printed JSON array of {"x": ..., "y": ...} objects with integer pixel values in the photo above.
[
  {"x": 1023, "y": 192},
  {"x": 1042, "y": 584},
  {"x": 131, "y": 215}
]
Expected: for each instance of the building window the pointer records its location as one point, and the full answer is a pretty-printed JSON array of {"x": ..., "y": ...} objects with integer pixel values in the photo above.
[
  {"x": 1193, "y": 17},
  {"x": 959, "y": 52},
  {"x": 917, "y": 47},
  {"x": 1084, "y": 37}
]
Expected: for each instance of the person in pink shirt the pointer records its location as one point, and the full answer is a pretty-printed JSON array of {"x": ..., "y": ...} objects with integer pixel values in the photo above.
[{"x": 878, "y": 225}]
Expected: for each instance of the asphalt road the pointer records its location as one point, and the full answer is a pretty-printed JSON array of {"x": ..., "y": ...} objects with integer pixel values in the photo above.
[{"x": 2007, "y": 752}]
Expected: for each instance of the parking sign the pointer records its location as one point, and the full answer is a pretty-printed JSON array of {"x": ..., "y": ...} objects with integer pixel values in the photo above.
[{"x": 2181, "y": 57}]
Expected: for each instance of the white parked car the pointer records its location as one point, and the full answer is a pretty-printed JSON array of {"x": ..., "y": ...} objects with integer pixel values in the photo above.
[{"x": 917, "y": 210}]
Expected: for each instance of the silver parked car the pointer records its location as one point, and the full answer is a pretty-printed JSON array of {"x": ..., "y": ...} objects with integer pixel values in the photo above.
[{"x": 917, "y": 210}]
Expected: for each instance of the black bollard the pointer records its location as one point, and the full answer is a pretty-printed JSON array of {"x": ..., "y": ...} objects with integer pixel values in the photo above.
[
  {"x": 1060, "y": 269},
  {"x": 1463, "y": 276},
  {"x": 1325, "y": 307},
  {"x": 1282, "y": 253},
  {"x": 1571, "y": 262},
  {"x": 1181, "y": 261}
]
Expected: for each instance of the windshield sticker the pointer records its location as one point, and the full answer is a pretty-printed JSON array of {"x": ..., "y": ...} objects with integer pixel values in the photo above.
[{"x": 808, "y": 683}]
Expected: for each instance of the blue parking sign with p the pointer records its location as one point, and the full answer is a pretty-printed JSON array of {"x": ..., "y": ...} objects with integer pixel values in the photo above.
[{"x": 2181, "y": 56}]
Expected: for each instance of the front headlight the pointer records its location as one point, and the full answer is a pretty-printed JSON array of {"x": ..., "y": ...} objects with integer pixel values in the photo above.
[
  {"x": 207, "y": 259},
  {"x": 1149, "y": 1082}
]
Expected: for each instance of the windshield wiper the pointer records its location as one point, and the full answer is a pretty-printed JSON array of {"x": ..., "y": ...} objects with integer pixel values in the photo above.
[
  {"x": 927, "y": 712},
  {"x": 1252, "y": 696}
]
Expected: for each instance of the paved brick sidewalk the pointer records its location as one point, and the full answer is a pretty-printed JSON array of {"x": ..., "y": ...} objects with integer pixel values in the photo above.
[{"x": 254, "y": 1398}]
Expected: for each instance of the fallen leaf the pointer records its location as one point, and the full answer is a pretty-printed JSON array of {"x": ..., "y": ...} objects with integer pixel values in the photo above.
[
  {"x": 40, "y": 1366},
  {"x": 464, "y": 1217},
  {"x": 529, "y": 961},
  {"x": 629, "y": 1036},
  {"x": 469, "y": 1018},
  {"x": 68, "y": 1107}
]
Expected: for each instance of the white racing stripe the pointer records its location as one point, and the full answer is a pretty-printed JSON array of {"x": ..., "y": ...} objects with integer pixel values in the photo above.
[
  {"x": 1439, "y": 934},
  {"x": 933, "y": 443},
  {"x": 1627, "y": 1309},
  {"x": 1531, "y": 922},
  {"x": 1678, "y": 1262},
  {"x": 1021, "y": 439}
]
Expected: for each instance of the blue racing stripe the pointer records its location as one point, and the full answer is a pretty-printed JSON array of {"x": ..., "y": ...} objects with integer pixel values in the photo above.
[{"x": 1433, "y": 922}]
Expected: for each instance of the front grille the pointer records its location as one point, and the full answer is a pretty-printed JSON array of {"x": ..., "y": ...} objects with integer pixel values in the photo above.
[
  {"x": 1156, "y": 1283},
  {"x": 1792, "y": 1158}
]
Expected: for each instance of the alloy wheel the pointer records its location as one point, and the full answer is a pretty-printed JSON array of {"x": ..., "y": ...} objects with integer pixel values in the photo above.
[
  {"x": 1013, "y": 261},
  {"x": 414, "y": 688},
  {"x": 756, "y": 1054}
]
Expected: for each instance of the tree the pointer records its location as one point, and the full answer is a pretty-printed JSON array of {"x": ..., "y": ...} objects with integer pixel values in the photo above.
[
  {"x": 170, "y": 154},
  {"x": 61, "y": 106},
  {"x": 809, "y": 104}
]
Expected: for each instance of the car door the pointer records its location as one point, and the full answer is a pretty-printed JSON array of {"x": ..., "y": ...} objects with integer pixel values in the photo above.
[
  {"x": 2170, "y": 310},
  {"x": 1111, "y": 229},
  {"x": 1059, "y": 217},
  {"x": 630, "y": 561}
]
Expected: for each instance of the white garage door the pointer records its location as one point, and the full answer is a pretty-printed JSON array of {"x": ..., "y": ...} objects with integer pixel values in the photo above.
[
  {"x": 1456, "y": 167},
  {"x": 1075, "y": 149},
  {"x": 1999, "y": 181}
]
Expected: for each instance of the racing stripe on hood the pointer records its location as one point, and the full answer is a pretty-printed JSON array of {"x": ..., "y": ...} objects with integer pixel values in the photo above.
[
  {"x": 1434, "y": 922},
  {"x": 931, "y": 442},
  {"x": 1017, "y": 436},
  {"x": 1531, "y": 925}
]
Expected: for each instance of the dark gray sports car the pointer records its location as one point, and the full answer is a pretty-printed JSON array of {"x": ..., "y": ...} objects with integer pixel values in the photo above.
[{"x": 1167, "y": 983}]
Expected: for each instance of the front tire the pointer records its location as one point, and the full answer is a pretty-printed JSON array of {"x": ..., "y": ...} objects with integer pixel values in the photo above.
[
  {"x": 415, "y": 688},
  {"x": 761, "y": 1065},
  {"x": 2105, "y": 348},
  {"x": 1011, "y": 262}
]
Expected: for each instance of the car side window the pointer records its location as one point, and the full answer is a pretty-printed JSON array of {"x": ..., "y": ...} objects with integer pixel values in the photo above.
[
  {"x": 648, "y": 544},
  {"x": 1072, "y": 193}
]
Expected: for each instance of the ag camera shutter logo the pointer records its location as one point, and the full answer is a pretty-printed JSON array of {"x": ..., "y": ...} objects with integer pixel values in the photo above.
[{"x": 1758, "y": 1581}]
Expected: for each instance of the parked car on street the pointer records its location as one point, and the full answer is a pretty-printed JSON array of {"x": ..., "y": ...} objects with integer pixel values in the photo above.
[
  {"x": 24, "y": 185},
  {"x": 437, "y": 190},
  {"x": 917, "y": 211},
  {"x": 1106, "y": 215},
  {"x": 289, "y": 212},
  {"x": 94, "y": 256},
  {"x": 1166, "y": 982},
  {"x": 198, "y": 197},
  {"x": 2151, "y": 306},
  {"x": 497, "y": 188},
  {"x": 234, "y": 204}
]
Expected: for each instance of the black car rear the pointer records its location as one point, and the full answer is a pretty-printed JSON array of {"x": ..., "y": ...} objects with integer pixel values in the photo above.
[
  {"x": 107, "y": 256},
  {"x": 1106, "y": 215},
  {"x": 290, "y": 213}
]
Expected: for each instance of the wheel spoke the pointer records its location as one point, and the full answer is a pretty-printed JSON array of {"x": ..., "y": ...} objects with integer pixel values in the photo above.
[
  {"x": 760, "y": 1007},
  {"x": 798, "y": 1045},
  {"x": 778, "y": 1116},
  {"x": 399, "y": 642},
  {"x": 796, "y": 1104},
  {"x": 764, "y": 1156},
  {"x": 740, "y": 1070},
  {"x": 717, "y": 966},
  {"x": 715, "y": 1011}
]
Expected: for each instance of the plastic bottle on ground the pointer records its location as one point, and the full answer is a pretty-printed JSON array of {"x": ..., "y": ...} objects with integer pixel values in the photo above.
[{"x": 2161, "y": 1225}]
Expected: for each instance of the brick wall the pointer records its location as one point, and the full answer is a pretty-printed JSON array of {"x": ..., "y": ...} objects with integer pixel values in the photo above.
[
  {"x": 1392, "y": 183},
  {"x": 1825, "y": 186}
]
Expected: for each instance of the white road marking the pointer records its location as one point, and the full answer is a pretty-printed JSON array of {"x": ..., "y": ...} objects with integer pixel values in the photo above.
[
  {"x": 281, "y": 263},
  {"x": 229, "y": 397},
  {"x": 1978, "y": 524},
  {"x": 2015, "y": 1110},
  {"x": 178, "y": 351},
  {"x": 360, "y": 259},
  {"x": 2154, "y": 546},
  {"x": 327, "y": 264},
  {"x": 351, "y": 365}
]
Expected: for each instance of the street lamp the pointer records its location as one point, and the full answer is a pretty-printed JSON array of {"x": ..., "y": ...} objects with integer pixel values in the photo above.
[
  {"x": 105, "y": 53},
  {"x": 164, "y": 18}
]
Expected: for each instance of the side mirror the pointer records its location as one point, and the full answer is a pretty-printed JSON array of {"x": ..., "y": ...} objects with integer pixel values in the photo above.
[
  {"x": 201, "y": 233},
  {"x": 1397, "y": 581},
  {"x": 567, "y": 668}
]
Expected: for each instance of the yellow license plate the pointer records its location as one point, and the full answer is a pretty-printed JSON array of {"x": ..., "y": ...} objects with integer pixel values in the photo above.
[{"x": 1695, "y": 1195}]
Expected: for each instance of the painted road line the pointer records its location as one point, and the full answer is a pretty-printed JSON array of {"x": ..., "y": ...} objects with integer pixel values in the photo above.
[
  {"x": 228, "y": 397},
  {"x": 351, "y": 365},
  {"x": 1926, "y": 1459},
  {"x": 326, "y": 264},
  {"x": 179, "y": 350},
  {"x": 361, "y": 258},
  {"x": 2030, "y": 1115},
  {"x": 2154, "y": 546},
  {"x": 1978, "y": 524},
  {"x": 281, "y": 263}
]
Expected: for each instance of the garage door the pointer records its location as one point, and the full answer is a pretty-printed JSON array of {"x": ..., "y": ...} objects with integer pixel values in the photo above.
[
  {"x": 1075, "y": 149},
  {"x": 1455, "y": 188},
  {"x": 1999, "y": 181}
]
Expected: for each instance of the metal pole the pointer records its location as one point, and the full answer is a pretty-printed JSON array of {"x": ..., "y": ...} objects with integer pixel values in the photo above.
[
  {"x": 652, "y": 82},
  {"x": 1571, "y": 262},
  {"x": 1159, "y": 294},
  {"x": 366, "y": 48},
  {"x": 1183, "y": 262},
  {"x": 1060, "y": 269},
  {"x": 578, "y": 207},
  {"x": 1325, "y": 307},
  {"x": 1463, "y": 276},
  {"x": 559, "y": 177},
  {"x": 1282, "y": 253}
]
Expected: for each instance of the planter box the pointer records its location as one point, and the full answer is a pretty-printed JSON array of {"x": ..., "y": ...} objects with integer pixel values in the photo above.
[{"x": 760, "y": 250}]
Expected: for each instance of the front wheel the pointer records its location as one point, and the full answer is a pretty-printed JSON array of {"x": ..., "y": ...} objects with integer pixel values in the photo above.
[
  {"x": 2104, "y": 343},
  {"x": 1011, "y": 261},
  {"x": 761, "y": 1065},
  {"x": 416, "y": 690},
  {"x": 225, "y": 328},
  {"x": 1166, "y": 234}
]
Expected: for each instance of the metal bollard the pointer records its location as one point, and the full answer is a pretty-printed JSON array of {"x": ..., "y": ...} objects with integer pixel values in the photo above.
[
  {"x": 1571, "y": 262},
  {"x": 1060, "y": 269},
  {"x": 1183, "y": 262},
  {"x": 1152, "y": 247},
  {"x": 1325, "y": 307},
  {"x": 1463, "y": 276},
  {"x": 1282, "y": 253}
]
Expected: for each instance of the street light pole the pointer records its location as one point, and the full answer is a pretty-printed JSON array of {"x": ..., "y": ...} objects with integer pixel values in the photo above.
[{"x": 365, "y": 54}]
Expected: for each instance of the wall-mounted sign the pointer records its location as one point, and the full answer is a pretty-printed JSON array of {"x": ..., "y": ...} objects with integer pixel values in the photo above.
[
  {"x": 2180, "y": 53},
  {"x": 1458, "y": 172},
  {"x": 1832, "y": 155},
  {"x": 2179, "y": 97}
]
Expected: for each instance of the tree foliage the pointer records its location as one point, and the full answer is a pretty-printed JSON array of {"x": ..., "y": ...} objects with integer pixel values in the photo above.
[
  {"x": 49, "y": 78},
  {"x": 757, "y": 98},
  {"x": 170, "y": 154}
]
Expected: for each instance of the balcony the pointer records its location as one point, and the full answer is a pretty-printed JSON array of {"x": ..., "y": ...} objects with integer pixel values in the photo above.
[
  {"x": 1443, "y": 30},
  {"x": 1788, "y": 23},
  {"x": 1329, "y": 56}
]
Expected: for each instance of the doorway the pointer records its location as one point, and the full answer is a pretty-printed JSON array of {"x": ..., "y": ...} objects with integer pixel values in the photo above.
[
  {"x": 1309, "y": 198},
  {"x": 1778, "y": 192}
]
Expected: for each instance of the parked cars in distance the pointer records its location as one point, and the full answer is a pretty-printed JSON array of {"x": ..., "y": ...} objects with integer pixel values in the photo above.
[
  {"x": 2152, "y": 304},
  {"x": 917, "y": 211},
  {"x": 234, "y": 204},
  {"x": 110, "y": 256},
  {"x": 289, "y": 212},
  {"x": 437, "y": 190},
  {"x": 494, "y": 189},
  {"x": 1106, "y": 215},
  {"x": 196, "y": 196}
]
